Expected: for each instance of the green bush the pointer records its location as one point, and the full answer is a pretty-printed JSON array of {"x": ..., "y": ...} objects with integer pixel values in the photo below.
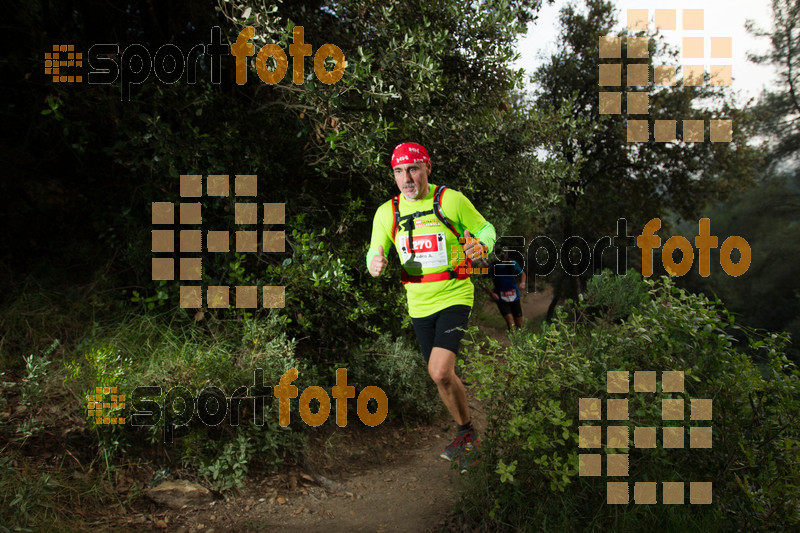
[
  {"x": 399, "y": 369},
  {"x": 150, "y": 350},
  {"x": 228, "y": 469},
  {"x": 528, "y": 479},
  {"x": 23, "y": 496},
  {"x": 331, "y": 299},
  {"x": 615, "y": 297}
]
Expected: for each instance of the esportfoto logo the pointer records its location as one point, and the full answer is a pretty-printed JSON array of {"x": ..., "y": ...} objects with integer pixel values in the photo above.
[
  {"x": 190, "y": 241},
  {"x": 151, "y": 405},
  {"x": 647, "y": 242},
  {"x": 169, "y": 63}
]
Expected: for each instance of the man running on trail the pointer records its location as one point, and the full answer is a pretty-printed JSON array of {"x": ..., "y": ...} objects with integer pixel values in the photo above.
[
  {"x": 424, "y": 223},
  {"x": 506, "y": 294}
]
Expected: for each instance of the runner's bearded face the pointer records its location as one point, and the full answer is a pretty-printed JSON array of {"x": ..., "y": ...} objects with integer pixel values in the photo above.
[
  {"x": 411, "y": 166},
  {"x": 412, "y": 179}
]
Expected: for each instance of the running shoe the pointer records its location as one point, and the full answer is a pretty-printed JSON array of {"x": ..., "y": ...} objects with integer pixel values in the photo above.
[
  {"x": 453, "y": 450},
  {"x": 470, "y": 456}
]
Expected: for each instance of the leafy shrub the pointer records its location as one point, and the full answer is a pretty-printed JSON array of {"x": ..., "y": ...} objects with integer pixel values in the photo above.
[
  {"x": 529, "y": 479},
  {"x": 34, "y": 384},
  {"x": 23, "y": 496},
  {"x": 228, "y": 469},
  {"x": 146, "y": 350},
  {"x": 333, "y": 301},
  {"x": 615, "y": 297},
  {"x": 398, "y": 369}
]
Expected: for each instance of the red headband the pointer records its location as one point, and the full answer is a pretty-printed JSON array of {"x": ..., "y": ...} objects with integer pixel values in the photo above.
[{"x": 409, "y": 153}]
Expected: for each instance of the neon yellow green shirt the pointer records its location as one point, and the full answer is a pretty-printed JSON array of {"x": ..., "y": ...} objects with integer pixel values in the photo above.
[{"x": 433, "y": 248}]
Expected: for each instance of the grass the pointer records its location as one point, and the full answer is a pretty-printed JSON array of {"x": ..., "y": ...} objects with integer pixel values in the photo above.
[
  {"x": 62, "y": 343},
  {"x": 490, "y": 316}
]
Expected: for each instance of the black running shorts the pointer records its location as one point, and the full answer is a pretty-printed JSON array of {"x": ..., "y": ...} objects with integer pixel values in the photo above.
[
  {"x": 510, "y": 308},
  {"x": 443, "y": 329}
]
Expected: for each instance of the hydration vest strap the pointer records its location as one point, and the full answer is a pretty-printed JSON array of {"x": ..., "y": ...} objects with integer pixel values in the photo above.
[
  {"x": 460, "y": 272},
  {"x": 437, "y": 210},
  {"x": 395, "y": 215},
  {"x": 462, "y": 269}
]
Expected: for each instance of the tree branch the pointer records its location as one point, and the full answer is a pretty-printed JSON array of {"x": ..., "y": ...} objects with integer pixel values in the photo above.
[{"x": 793, "y": 95}]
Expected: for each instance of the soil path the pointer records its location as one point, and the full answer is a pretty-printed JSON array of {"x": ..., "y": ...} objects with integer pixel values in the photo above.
[
  {"x": 534, "y": 306},
  {"x": 383, "y": 479}
]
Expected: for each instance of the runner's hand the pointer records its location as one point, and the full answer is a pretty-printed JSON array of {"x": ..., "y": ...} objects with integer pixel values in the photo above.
[
  {"x": 378, "y": 263},
  {"x": 473, "y": 249},
  {"x": 495, "y": 297}
]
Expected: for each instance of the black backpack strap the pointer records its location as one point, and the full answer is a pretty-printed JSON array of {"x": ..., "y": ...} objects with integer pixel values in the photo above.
[
  {"x": 407, "y": 220},
  {"x": 396, "y": 213},
  {"x": 437, "y": 209}
]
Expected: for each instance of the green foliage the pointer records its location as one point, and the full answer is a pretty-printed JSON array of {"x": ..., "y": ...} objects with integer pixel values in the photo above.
[
  {"x": 528, "y": 478},
  {"x": 26, "y": 429},
  {"x": 228, "y": 470},
  {"x": 113, "y": 444},
  {"x": 46, "y": 313},
  {"x": 398, "y": 368},
  {"x": 23, "y": 498},
  {"x": 616, "y": 296},
  {"x": 225, "y": 462},
  {"x": 767, "y": 296},
  {"x": 108, "y": 366},
  {"x": 35, "y": 389},
  {"x": 149, "y": 303},
  {"x": 273, "y": 444},
  {"x": 435, "y": 72},
  {"x": 34, "y": 383},
  {"x": 146, "y": 350},
  {"x": 328, "y": 296},
  {"x": 614, "y": 178}
]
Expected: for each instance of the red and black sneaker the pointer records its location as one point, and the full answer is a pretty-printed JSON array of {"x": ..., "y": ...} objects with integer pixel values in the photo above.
[
  {"x": 465, "y": 439},
  {"x": 469, "y": 457}
]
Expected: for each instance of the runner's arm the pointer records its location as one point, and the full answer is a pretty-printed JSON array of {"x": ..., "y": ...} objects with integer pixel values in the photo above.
[
  {"x": 381, "y": 234},
  {"x": 467, "y": 217}
]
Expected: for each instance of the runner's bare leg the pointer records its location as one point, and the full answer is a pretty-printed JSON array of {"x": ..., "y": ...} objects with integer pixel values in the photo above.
[{"x": 441, "y": 368}]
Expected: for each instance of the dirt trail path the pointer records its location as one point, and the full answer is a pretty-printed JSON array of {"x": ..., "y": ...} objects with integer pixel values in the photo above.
[
  {"x": 384, "y": 479},
  {"x": 534, "y": 306}
]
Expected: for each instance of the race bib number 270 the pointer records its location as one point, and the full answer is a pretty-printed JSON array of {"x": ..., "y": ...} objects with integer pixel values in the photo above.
[{"x": 429, "y": 251}]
